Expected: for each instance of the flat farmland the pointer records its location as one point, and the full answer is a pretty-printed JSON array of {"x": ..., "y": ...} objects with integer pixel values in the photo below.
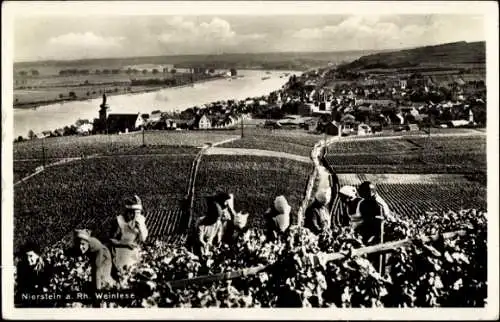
[
  {"x": 89, "y": 193},
  {"x": 412, "y": 195},
  {"x": 254, "y": 181},
  {"x": 51, "y": 95}
]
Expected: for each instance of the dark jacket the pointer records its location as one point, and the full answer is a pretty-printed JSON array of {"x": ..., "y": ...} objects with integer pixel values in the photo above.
[
  {"x": 316, "y": 218},
  {"x": 372, "y": 214},
  {"x": 273, "y": 232},
  {"x": 32, "y": 280}
]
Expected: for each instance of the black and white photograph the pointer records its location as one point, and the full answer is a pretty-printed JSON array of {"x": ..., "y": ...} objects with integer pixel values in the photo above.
[{"x": 305, "y": 155}]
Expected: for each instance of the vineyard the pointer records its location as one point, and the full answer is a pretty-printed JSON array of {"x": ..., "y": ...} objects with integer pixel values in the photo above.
[
  {"x": 300, "y": 143},
  {"x": 255, "y": 182},
  {"x": 89, "y": 193},
  {"x": 75, "y": 146},
  {"x": 302, "y": 270},
  {"x": 410, "y": 155},
  {"x": 415, "y": 195},
  {"x": 408, "y": 144}
]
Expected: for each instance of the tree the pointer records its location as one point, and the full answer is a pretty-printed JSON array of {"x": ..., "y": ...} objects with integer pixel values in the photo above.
[
  {"x": 72, "y": 95},
  {"x": 23, "y": 73},
  {"x": 31, "y": 134},
  {"x": 88, "y": 93},
  {"x": 80, "y": 122},
  {"x": 61, "y": 96},
  {"x": 144, "y": 71},
  {"x": 34, "y": 72},
  {"x": 155, "y": 71},
  {"x": 173, "y": 71},
  {"x": 106, "y": 71},
  {"x": 98, "y": 71}
]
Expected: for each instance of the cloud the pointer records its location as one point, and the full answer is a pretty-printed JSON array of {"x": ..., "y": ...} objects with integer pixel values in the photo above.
[
  {"x": 84, "y": 45},
  {"x": 216, "y": 35},
  {"x": 379, "y": 32},
  {"x": 183, "y": 31}
]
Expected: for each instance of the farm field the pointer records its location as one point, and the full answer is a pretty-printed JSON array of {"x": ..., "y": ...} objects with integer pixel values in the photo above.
[
  {"x": 51, "y": 95},
  {"x": 44, "y": 90},
  {"x": 460, "y": 154},
  {"x": 407, "y": 144},
  {"x": 254, "y": 181},
  {"x": 49, "y": 205},
  {"x": 449, "y": 162},
  {"x": 75, "y": 146},
  {"x": 413, "y": 195},
  {"x": 24, "y": 168},
  {"x": 294, "y": 142}
]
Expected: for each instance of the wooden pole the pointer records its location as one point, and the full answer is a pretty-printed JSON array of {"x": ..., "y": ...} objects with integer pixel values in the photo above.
[
  {"x": 242, "y": 134},
  {"x": 318, "y": 258},
  {"x": 143, "y": 139},
  {"x": 43, "y": 152},
  {"x": 381, "y": 265}
]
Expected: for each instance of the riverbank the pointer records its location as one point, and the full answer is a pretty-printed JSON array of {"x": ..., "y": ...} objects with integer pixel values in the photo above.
[{"x": 93, "y": 92}]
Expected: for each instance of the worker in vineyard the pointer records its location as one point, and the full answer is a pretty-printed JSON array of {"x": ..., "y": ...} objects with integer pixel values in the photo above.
[
  {"x": 128, "y": 232},
  {"x": 317, "y": 217},
  {"x": 100, "y": 258},
  {"x": 373, "y": 211},
  {"x": 33, "y": 273},
  {"x": 236, "y": 226},
  {"x": 277, "y": 219},
  {"x": 210, "y": 228},
  {"x": 349, "y": 199}
]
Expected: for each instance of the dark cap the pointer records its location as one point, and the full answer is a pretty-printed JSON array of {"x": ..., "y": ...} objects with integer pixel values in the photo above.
[
  {"x": 366, "y": 189},
  {"x": 30, "y": 246}
]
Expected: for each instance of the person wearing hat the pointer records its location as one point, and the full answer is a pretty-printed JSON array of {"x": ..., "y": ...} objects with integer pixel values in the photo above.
[
  {"x": 33, "y": 273},
  {"x": 349, "y": 199},
  {"x": 373, "y": 211},
  {"x": 128, "y": 231},
  {"x": 100, "y": 258},
  {"x": 317, "y": 217},
  {"x": 210, "y": 228},
  {"x": 277, "y": 218}
]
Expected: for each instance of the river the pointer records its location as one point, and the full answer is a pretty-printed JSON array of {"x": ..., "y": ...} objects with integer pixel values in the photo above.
[{"x": 51, "y": 117}]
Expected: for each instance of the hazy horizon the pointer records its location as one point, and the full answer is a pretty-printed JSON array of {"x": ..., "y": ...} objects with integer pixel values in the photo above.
[{"x": 115, "y": 37}]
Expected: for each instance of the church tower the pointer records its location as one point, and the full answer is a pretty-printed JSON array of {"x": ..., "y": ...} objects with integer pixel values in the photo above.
[{"x": 103, "y": 112}]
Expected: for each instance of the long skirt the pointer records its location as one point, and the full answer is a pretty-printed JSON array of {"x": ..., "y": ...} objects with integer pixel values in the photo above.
[{"x": 125, "y": 258}]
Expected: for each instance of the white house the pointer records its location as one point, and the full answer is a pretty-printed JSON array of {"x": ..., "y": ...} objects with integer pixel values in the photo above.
[
  {"x": 85, "y": 128},
  {"x": 364, "y": 129},
  {"x": 204, "y": 122}
]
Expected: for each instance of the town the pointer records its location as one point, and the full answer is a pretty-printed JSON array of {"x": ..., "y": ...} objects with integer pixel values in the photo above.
[{"x": 326, "y": 100}]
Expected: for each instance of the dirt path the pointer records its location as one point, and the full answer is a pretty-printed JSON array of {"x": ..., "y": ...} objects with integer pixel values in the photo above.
[
  {"x": 394, "y": 137},
  {"x": 256, "y": 152}
]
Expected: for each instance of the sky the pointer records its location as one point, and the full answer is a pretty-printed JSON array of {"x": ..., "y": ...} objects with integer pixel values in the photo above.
[{"x": 44, "y": 37}]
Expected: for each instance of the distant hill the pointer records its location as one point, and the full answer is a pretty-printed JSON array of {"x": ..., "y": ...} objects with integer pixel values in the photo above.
[
  {"x": 286, "y": 60},
  {"x": 445, "y": 54}
]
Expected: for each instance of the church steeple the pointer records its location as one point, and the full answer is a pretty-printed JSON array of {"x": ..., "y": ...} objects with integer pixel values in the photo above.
[{"x": 103, "y": 112}]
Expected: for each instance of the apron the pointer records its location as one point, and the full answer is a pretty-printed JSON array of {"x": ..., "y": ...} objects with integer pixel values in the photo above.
[{"x": 124, "y": 256}]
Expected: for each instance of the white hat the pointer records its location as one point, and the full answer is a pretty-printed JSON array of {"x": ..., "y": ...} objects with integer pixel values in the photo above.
[
  {"x": 348, "y": 191},
  {"x": 82, "y": 234},
  {"x": 135, "y": 203},
  {"x": 281, "y": 205}
]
